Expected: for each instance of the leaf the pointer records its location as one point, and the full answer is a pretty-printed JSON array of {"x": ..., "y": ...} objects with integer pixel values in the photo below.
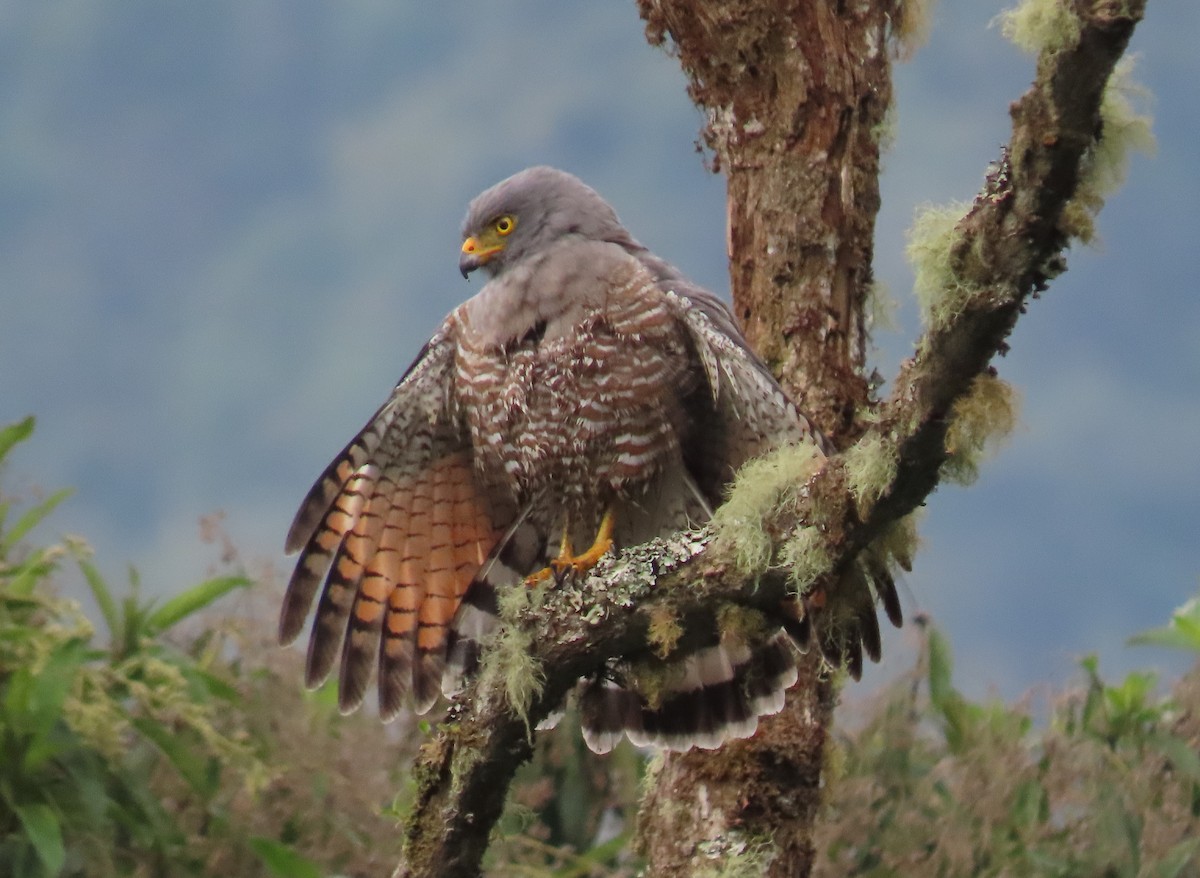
[
  {"x": 192, "y": 767},
  {"x": 1030, "y": 804},
  {"x": 216, "y": 686},
  {"x": 1182, "y": 757},
  {"x": 14, "y": 433},
  {"x": 36, "y": 699},
  {"x": 945, "y": 699},
  {"x": 30, "y": 519},
  {"x": 282, "y": 860},
  {"x": 1177, "y": 859},
  {"x": 44, "y": 833},
  {"x": 24, "y": 579},
  {"x": 104, "y": 599},
  {"x": 194, "y": 599},
  {"x": 941, "y": 664},
  {"x": 589, "y": 861},
  {"x": 1182, "y": 632}
]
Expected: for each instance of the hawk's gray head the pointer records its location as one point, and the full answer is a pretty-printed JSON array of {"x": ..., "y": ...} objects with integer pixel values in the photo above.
[{"x": 529, "y": 211}]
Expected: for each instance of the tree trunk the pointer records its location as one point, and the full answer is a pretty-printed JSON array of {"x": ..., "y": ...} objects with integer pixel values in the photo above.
[{"x": 796, "y": 95}]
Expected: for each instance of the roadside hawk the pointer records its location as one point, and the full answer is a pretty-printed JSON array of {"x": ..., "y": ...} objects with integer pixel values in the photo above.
[{"x": 588, "y": 396}]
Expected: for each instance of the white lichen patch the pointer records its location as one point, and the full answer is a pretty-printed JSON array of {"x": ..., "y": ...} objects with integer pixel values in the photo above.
[{"x": 734, "y": 855}]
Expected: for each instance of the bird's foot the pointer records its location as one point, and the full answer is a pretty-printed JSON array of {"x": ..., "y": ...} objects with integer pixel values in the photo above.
[{"x": 567, "y": 563}]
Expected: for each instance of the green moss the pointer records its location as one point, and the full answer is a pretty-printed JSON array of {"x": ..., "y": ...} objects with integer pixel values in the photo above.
[
  {"x": 761, "y": 488},
  {"x": 1051, "y": 26},
  {"x": 806, "y": 557},
  {"x": 941, "y": 293},
  {"x": 910, "y": 25},
  {"x": 870, "y": 469},
  {"x": 987, "y": 412},
  {"x": 654, "y": 679},
  {"x": 664, "y": 631},
  {"x": 509, "y": 662},
  {"x": 898, "y": 544},
  {"x": 1041, "y": 26},
  {"x": 743, "y": 624},
  {"x": 1124, "y": 130}
]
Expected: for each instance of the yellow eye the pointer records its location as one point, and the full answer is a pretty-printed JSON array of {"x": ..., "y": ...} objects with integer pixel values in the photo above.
[{"x": 505, "y": 225}]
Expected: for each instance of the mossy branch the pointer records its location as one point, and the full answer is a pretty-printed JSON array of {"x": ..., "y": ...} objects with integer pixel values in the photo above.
[{"x": 1003, "y": 251}]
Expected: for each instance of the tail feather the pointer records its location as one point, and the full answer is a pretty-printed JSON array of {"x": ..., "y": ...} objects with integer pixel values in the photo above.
[
  {"x": 885, "y": 587},
  {"x": 868, "y": 632},
  {"x": 720, "y": 694}
]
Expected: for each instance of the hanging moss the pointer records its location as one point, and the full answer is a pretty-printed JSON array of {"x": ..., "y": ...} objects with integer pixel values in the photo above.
[
  {"x": 941, "y": 293},
  {"x": 986, "y": 413}
]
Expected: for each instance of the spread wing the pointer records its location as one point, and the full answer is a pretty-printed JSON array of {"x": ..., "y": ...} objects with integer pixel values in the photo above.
[
  {"x": 750, "y": 412},
  {"x": 392, "y": 533},
  {"x": 750, "y": 416}
]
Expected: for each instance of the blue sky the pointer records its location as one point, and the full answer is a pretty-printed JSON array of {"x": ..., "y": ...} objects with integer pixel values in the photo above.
[{"x": 225, "y": 228}]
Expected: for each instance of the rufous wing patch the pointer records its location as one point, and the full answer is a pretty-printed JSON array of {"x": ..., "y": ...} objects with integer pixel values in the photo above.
[{"x": 448, "y": 531}]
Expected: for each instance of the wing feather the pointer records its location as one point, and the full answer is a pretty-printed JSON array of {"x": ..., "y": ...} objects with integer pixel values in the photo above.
[
  {"x": 749, "y": 401},
  {"x": 750, "y": 416},
  {"x": 392, "y": 533}
]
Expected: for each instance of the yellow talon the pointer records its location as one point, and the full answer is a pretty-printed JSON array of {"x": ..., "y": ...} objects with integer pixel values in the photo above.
[
  {"x": 567, "y": 560},
  {"x": 589, "y": 559}
]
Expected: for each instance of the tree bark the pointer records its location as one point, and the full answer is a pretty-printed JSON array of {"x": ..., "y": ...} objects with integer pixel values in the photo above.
[
  {"x": 796, "y": 94},
  {"x": 756, "y": 800}
]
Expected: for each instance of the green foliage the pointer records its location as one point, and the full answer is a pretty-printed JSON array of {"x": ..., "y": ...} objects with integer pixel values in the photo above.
[
  {"x": 1182, "y": 632},
  {"x": 129, "y": 759},
  {"x": 570, "y": 812},
  {"x": 84, "y": 731},
  {"x": 936, "y": 784},
  {"x": 282, "y": 861}
]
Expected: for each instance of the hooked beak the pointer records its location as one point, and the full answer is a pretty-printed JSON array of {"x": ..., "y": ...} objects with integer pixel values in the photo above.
[{"x": 476, "y": 254}]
